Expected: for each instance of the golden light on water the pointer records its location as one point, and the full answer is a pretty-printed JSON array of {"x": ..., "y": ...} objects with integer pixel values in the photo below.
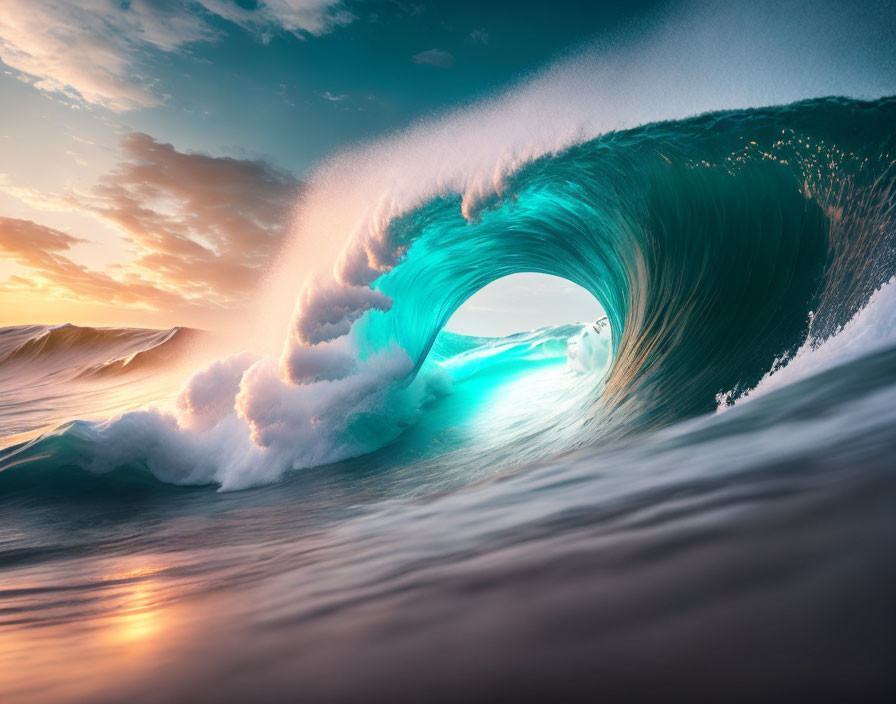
[
  {"x": 139, "y": 615},
  {"x": 139, "y": 620},
  {"x": 125, "y": 629}
]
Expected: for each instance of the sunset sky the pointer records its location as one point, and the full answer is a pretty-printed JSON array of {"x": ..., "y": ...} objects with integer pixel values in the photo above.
[{"x": 154, "y": 150}]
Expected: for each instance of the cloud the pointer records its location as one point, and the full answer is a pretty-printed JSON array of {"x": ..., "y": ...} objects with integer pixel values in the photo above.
[
  {"x": 31, "y": 242},
  {"x": 434, "y": 57},
  {"x": 207, "y": 224},
  {"x": 334, "y": 98},
  {"x": 203, "y": 228},
  {"x": 300, "y": 17},
  {"x": 479, "y": 35},
  {"x": 93, "y": 50},
  {"x": 41, "y": 249}
]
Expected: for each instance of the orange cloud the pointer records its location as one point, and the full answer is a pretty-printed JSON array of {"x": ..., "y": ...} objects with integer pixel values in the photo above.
[
  {"x": 203, "y": 230},
  {"x": 207, "y": 225},
  {"x": 40, "y": 249}
]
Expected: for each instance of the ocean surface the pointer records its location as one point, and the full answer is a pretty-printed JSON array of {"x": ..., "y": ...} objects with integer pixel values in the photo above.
[{"x": 692, "y": 499}]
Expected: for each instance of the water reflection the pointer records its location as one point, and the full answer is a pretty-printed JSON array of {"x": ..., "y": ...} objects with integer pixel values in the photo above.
[{"x": 121, "y": 623}]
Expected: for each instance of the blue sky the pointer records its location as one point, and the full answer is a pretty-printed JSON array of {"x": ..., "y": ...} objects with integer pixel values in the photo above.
[{"x": 297, "y": 99}]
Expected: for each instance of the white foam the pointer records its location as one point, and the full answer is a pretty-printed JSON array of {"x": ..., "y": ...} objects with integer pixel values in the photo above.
[
  {"x": 873, "y": 328},
  {"x": 591, "y": 351}
]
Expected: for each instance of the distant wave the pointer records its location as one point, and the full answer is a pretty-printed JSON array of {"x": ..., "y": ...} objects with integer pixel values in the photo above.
[
  {"x": 51, "y": 374},
  {"x": 88, "y": 351}
]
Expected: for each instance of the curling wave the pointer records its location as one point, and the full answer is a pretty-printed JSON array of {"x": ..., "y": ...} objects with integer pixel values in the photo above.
[{"x": 718, "y": 246}]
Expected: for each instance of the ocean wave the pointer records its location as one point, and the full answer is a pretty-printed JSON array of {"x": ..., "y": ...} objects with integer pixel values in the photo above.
[
  {"x": 717, "y": 246},
  {"x": 88, "y": 351},
  {"x": 709, "y": 242}
]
